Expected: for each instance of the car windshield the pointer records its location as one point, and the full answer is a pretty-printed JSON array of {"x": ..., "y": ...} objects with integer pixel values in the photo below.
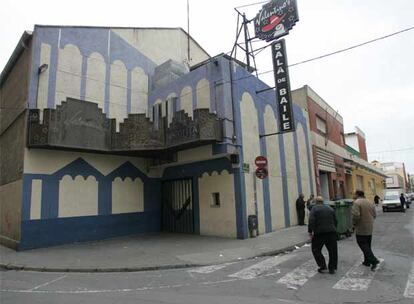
[{"x": 391, "y": 197}]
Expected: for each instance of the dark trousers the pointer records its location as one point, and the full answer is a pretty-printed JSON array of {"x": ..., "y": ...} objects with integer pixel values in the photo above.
[
  {"x": 364, "y": 242},
  {"x": 330, "y": 241},
  {"x": 301, "y": 216}
]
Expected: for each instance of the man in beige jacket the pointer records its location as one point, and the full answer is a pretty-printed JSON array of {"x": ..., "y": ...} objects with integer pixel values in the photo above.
[{"x": 363, "y": 216}]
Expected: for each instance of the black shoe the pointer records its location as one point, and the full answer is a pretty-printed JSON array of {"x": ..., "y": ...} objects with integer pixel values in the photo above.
[
  {"x": 321, "y": 269},
  {"x": 374, "y": 265},
  {"x": 366, "y": 264},
  {"x": 332, "y": 271}
]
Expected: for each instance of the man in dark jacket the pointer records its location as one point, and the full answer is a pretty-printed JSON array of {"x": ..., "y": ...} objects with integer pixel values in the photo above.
[
  {"x": 402, "y": 201},
  {"x": 300, "y": 209},
  {"x": 322, "y": 228},
  {"x": 376, "y": 200}
]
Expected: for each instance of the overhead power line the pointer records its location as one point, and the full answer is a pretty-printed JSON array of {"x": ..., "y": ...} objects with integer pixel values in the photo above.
[
  {"x": 353, "y": 47},
  {"x": 345, "y": 49},
  {"x": 389, "y": 151},
  {"x": 252, "y": 4}
]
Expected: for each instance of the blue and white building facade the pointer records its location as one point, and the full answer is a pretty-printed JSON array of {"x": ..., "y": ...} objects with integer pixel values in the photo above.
[{"x": 70, "y": 195}]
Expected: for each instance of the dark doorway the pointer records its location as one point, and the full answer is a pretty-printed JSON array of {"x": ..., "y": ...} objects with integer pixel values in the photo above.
[{"x": 177, "y": 206}]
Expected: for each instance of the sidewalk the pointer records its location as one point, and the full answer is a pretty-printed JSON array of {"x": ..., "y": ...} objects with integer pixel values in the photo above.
[{"x": 150, "y": 252}]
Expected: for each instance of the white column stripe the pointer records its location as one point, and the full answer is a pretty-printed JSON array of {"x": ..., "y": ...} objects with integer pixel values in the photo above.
[
  {"x": 409, "y": 289},
  {"x": 261, "y": 267},
  {"x": 300, "y": 275},
  {"x": 359, "y": 277}
]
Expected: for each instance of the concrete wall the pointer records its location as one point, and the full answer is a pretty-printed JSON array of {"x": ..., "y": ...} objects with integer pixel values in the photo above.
[
  {"x": 373, "y": 184},
  {"x": 101, "y": 195},
  {"x": 13, "y": 103},
  {"x": 217, "y": 220},
  {"x": 163, "y": 44},
  {"x": 13, "y": 100},
  {"x": 10, "y": 213},
  {"x": 14, "y": 90},
  {"x": 290, "y": 163},
  {"x": 334, "y": 126},
  {"x": 110, "y": 66}
]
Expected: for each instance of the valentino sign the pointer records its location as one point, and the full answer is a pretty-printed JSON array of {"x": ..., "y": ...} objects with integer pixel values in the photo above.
[
  {"x": 275, "y": 19},
  {"x": 283, "y": 95}
]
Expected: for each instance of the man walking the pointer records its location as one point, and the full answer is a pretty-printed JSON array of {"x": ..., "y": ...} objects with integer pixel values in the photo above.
[
  {"x": 376, "y": 200},
  {"x": 322, "y": 228},
  {"x": 402, "y": 201},
  {"x": 300, "y": 209},
  {"x": 363, "y": 216}
]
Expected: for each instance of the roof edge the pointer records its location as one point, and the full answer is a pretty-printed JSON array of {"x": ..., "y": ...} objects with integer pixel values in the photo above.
[
  {"x": 18, "y": 50},
  {"x": 127, "y": 27}
]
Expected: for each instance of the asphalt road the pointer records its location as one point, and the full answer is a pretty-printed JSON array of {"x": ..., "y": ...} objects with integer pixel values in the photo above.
[{"x": 289, "y": 278}]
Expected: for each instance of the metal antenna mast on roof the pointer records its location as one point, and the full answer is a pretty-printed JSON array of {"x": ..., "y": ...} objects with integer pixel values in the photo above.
[
  {"x": 188, "y": 32},
  {"x": 246, "y": 45}
]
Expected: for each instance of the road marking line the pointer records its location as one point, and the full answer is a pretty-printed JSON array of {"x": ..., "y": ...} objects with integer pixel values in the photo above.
[
  {"x": 359, "y": 277},
  {"x": 300, "y": 275},
  {"x": 261, "y": 267},
  {"x": 409, "y": 289},
  {"x": 219, "y": 282},
  {"x": 210, "y": 269},
  {"x": 47, "y": 283}
]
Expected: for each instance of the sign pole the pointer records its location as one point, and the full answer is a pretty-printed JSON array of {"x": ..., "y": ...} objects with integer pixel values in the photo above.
[{"x": 256, "y": 211}]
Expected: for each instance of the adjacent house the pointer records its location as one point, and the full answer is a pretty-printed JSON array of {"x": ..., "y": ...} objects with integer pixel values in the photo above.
[
  {"x": 328, "y": 143},
  {"x": 364, "y": 176},
  {"x": 396, "y": 175}
]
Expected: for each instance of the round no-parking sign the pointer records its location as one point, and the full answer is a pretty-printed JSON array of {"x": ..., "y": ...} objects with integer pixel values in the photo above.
[{"x": 261, "y": 162}]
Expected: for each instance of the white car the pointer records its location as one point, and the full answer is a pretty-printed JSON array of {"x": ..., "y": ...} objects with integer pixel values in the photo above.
[{"x": 392, "y": 201}]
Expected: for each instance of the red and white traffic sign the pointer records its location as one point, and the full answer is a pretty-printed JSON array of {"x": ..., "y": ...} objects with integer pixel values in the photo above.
[
  {"x": 261, "y": 173},
  {"x": 261, "y": 162}
]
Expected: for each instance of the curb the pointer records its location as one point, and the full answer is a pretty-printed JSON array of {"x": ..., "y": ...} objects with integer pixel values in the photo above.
[
  {"x": 6, "y": 267},
  {"x": 284, "y": 250}
]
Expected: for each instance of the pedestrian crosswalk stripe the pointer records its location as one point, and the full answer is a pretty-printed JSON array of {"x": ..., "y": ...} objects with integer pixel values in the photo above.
[
  {"x": 359, "y": 277},
  {"x": 261, "y": 267},
  {"x": 300, "y": 275},
  {"x": 210, "y": 269},
  {"x": 409, "y": 289}
]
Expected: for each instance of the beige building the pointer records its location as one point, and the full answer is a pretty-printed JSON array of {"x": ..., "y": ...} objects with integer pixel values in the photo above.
[{"x": 396, "y": 175}]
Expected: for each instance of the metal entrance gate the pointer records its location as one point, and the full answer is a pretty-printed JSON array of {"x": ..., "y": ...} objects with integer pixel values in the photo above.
[{"x": 177, "y": 206}]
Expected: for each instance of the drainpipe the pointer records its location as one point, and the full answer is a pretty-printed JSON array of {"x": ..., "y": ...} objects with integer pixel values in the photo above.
[{"x": 234, "y": 137}]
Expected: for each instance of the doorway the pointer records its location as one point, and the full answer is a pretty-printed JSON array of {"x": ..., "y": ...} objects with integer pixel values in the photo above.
[
  {"x": 324, "y": 183},
  {"x": 177, "y": 206}
]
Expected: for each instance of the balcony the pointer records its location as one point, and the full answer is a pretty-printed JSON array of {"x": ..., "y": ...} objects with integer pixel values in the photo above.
[{"x": 81, "y": 126}]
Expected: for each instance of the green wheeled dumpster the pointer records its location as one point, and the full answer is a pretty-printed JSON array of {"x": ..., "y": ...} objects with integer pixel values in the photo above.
[{"x": 343, "y": 214}]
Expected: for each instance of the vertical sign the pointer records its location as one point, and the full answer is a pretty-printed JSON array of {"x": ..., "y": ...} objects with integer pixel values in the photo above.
[{"x": 283, "y": 95}]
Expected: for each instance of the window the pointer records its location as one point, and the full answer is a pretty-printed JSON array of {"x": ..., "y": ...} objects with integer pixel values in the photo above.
[
  {"x": 372, "y": 186},
  {"x": 360, "y": 182},
  {"x": 321, "y": 125},
  {"x": 215, "y": 202}
]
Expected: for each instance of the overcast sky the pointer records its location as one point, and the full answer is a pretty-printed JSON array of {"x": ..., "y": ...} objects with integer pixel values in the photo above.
[{"x": 371, "y": 87}]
